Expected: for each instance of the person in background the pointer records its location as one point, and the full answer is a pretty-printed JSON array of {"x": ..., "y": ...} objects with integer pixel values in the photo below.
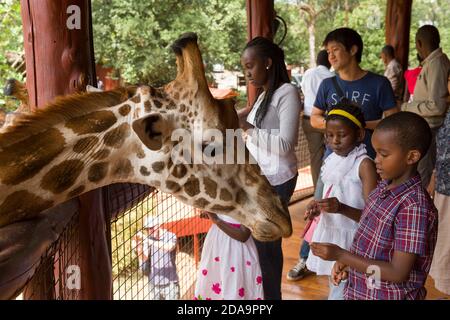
[
  {"x": 310, "y": 84},
  {"x": 431, "y": 92},
  {"x": 158, "y": 260},
  {"x": 393, "y": 71},
  {"x": 275, "y": 120},
  {"x": 411, "y": 76}
]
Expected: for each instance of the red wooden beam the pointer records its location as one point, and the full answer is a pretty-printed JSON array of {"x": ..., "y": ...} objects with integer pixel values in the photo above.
[
  {"x": 398, "y": 24},
  {"x": 59, "y": 61}
]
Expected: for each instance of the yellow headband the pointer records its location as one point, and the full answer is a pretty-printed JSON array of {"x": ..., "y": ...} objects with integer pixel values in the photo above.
[{"x": 346, "y": 115}]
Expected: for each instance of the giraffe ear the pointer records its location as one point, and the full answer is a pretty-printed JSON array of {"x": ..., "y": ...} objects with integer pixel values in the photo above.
[{"x": 151, "y": 130}]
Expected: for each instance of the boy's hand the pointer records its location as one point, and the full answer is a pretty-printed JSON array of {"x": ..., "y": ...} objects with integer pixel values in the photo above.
[
  {"x": 326, "y": 251},
  {"x": 338, "y": 273},
  {"x": 331, "y": 205},
  {"x": 312, "y": 210}
]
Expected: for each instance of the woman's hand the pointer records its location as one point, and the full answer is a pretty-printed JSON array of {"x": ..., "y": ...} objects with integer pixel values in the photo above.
[{"x": 326, "y": 251}]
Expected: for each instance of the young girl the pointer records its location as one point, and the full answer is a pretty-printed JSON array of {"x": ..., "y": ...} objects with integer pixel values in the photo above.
[
  {"x": 349, "y": 175},
  {"x": 229, "y": 268}
]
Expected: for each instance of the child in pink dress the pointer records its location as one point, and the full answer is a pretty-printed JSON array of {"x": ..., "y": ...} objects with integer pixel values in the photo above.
[{"x": 229, "y": 268}]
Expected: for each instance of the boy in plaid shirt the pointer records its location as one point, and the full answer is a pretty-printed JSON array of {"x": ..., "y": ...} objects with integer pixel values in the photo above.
[{"x": 392, "y": 250}]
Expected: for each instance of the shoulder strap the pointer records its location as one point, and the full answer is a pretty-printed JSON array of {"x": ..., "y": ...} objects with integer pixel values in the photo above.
[{"x": 338, "y": 88}]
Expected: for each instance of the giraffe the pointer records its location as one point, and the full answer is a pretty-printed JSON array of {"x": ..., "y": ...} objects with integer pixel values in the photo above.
[{"x": 85, "y": 141}]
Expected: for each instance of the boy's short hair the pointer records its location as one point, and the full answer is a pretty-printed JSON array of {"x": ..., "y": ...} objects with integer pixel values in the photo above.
[
  {"x": 347, "y": 37},
  {"x": 411, "y": 130}
]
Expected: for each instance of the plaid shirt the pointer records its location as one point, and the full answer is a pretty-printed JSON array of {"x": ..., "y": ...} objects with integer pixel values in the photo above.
[{"x": 402, "y": 219}]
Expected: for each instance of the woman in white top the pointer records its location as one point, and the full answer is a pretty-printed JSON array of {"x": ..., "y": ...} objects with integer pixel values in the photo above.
[
  {"x": 349, "y": 175},
  {"x": 275, "y": 120}
]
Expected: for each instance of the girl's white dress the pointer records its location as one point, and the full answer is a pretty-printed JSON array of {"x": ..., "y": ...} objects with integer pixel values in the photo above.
[
  {"x": 340, "y": 176},
  {"x": 229, "y": 269}
]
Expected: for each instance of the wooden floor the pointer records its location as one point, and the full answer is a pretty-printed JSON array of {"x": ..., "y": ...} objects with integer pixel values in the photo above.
[{"x": 315, "y": 287}]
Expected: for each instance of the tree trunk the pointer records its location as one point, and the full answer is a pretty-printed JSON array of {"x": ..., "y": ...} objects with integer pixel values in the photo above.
[
  {"x": 398, "y": 24},
  {"x": 59, "y": 61}
]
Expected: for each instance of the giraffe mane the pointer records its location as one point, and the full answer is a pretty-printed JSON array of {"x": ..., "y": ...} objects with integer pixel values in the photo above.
[{"x": 60, "y": 110}]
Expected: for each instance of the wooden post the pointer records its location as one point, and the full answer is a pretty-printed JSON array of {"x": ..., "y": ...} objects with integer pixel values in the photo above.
[
  {"x": 260, "y": 17},
  {"x": 398, "y": 24},
  {"x": 59, "y": 61}
]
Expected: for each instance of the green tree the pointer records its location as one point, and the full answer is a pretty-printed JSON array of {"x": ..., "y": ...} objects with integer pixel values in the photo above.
[
  {"x": 11, "y": 48},
  {"x": 135, "y": 36}
]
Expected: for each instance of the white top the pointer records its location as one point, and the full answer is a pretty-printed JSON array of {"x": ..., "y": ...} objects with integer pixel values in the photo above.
[
  {"x": 311, "y": 81},
  {"x": 341, "y": 174},
  {"x": 273, "y": 145}
]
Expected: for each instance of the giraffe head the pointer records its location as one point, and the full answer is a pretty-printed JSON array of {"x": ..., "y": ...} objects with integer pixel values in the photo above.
[{"x": 143, "y": 135}]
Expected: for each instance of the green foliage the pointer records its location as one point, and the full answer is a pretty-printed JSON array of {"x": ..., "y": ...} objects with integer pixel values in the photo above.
[
  {"x": 135, "y": 36},
  {"x": 11, "y": 41}
]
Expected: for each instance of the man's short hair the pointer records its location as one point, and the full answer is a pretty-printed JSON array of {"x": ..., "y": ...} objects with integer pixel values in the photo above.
[
  {"x": 388, "y": 50},
  {"x": 322, "y": 59},
  {"x": 429, "y": 35},
  {"x": 412, "y": 132},
  {"x": 348, "y": 38}
]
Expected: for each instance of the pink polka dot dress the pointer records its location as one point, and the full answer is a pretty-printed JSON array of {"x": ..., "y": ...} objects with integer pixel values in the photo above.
[{"x": 229, "y": 269}]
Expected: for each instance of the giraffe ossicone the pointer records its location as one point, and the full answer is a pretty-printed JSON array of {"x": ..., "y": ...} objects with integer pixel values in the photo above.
[{"x": 85, "y": 141}]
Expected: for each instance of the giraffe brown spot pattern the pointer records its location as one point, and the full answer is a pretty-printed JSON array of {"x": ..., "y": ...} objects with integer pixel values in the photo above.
[
  {"x": 157, "y": 103},
  {"x": 20, "y": 205},
  {"x": 144, "y": 171},
  {"x": 136, "y": 98},
  {"x": 179, "y": 171},
  {"x": 201, "y": 203},
  {"x": 158, "y": 166},
  {"x": 147, "y": 106},
  {"x": 116, "y": 137},
  {"x": 210, "y": 187},
  {"x": 241, "y": 197},
  {"x": 97, "y": 172},
  {"x": 192, "y": 186},
  {"x": 94, "y": 122},
  {"x": 172, "y": 186},
  {"x": 219, "y": 208},
  {"x": 122, "y": 168},
  {"x": 62, "y": 176},
  {"x": 24, "y": 159},
  {"x": 225, "y": 195},
  {"x": 125, "y": 109},
  {"x": 101, "y": 154},
  {"x": 85, "y": 144}
]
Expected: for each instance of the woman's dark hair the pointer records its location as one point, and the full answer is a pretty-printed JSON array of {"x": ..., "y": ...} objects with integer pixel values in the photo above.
[
  {"x": 348, "y": 38},
  {"x": 278, "y": 74},
  {"x": 353, "y": 109}
]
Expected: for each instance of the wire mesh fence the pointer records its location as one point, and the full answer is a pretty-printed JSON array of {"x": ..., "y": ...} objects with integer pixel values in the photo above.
[{"x": 145, "y": 265}]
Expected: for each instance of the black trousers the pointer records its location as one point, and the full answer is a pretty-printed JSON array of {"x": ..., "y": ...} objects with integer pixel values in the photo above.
[{"x": 270, "y": 252}]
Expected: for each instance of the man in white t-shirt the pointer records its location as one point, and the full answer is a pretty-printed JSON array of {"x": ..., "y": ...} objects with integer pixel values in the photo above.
[
  {"x": 311, "y": 81},
  {"x": 310, "y": 84}
]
